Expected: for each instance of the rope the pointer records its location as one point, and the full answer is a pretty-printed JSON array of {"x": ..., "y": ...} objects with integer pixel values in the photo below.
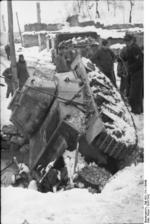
[
  {"x": 14, "y": 161},
  {"x": 7, "y": 166},
  {"x": 54, "y": 95}
]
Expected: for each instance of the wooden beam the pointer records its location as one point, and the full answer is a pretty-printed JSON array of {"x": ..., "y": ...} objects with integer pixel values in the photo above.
[
  {"x": 38, "y": 12},
  {"x": 12, "y": 45},
  {"x": 19, "y": 29}
]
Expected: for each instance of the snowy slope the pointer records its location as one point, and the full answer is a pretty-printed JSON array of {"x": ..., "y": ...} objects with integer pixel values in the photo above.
[{"x": 120, "y": 202}]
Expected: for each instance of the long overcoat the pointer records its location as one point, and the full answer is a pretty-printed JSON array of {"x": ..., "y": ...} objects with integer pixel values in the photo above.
[
  {"x": 22, "y": 73},
  {"x": 134, "y": 58}
]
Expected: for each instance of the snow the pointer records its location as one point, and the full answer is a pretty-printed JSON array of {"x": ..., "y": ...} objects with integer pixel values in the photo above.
[
  {"x": 139, "y": 123},
  {"x": 121, "y": 201},
  {"x": 34, "y": 57},
  {"x": 78, "y": 29},
  {"x": 117, "y": 46},
  {"x": 104, "y": 33},
  {"x": 35, "y": 32},
  {"x": 134, "y": 29},
  {"x": 35, "y": 60}
]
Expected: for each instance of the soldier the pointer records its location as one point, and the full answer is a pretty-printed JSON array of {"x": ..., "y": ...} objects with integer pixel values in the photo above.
[
  {"x": 8, "y": 80},
  {"x": 104, "y": 59},
  {"x": 22, "y": 71},
  {"x": 61, "y": 62},
  {"x": 134, "y": 58},
  {"x": 122, "y": 73},
  {"x": 7, "y": 50}
]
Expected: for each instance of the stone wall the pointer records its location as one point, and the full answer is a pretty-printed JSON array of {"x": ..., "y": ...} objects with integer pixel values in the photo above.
[
  {"x": 42, "y": 26},
  {"x": 34, "y": 39},
  {"x": 30, "y": 40},
  {"x": 35, "y": 27}
]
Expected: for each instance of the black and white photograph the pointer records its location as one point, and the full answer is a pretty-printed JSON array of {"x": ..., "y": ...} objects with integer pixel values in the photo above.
[{"x": 72, "y": 112}]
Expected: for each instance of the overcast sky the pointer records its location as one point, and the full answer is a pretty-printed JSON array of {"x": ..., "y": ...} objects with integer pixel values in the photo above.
[
  {"x": 57, "y": 11},
  {"x": 51, "y": 12}
]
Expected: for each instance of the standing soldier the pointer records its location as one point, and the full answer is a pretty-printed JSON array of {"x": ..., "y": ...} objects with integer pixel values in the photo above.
[
  {"x": 8, "y": 80},
  {"x": 61, "y": 62},
  {"x": 7, "y": 50},
  {"x": 104, "y": 59},
  {"x": 134, "y": 58},
  {"x": 122, "y": 73},
  {"x": 22, "y": 71}
]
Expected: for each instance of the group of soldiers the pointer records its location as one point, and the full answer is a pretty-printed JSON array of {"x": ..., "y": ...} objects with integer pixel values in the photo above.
[
  {"x": 130, "y": 69},
  {"x": 131, "y": 72},
  {"x": 22, "y": 74}
]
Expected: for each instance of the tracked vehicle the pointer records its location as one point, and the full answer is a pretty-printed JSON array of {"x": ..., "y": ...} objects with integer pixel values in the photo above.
[{"x": 76, "y": 110}]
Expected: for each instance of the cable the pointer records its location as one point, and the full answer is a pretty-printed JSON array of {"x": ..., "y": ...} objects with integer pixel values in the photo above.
[{"x": 7, "y": 166}]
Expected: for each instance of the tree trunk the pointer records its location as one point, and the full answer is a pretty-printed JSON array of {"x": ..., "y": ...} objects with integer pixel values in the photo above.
[
  {"x": 12, "y": 46},
  {"x": 38, "y": 12},
  {"x": 115, "y": 5},
  {"x": 131, "y": 7},
  {"x": 19, "y": 29},
  {"x": 79, "y": 6},
  {"x": 3, "y": 22},
  {"x": 108, "y": 5},
  {"x": 97, "y": 11}
]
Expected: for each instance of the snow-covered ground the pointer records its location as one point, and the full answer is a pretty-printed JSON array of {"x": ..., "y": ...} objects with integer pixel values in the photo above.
[
  {"x": 34, "y": 56},
  {"x": 139, "y": 122},
  {"x": 121, "y": 201}
]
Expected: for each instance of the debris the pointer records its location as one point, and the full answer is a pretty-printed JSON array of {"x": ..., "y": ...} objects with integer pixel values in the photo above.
[
  {"x": 23, "y": 168},
  {"x": 94, "y": 177},
  {"x": 9, "y": 130},
  {"x": 18, "y": 140},
  {"x": 25, "y": 148},
  {"x": 5, "y": 142}
]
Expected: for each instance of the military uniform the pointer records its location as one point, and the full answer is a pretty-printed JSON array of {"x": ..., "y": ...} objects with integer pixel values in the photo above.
[
  {"x": 104, "y": 60},
  {"x": 22, "y": 73},
  {"x": 8, "y": 80},
  {"x": 134, "y": 58},
  {"x": 7, "y": 50}
]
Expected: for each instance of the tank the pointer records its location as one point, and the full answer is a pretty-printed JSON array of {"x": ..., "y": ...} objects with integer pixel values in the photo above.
[
  {"x": 82, "y": 107},
  {"x": 79, "y": 110}
]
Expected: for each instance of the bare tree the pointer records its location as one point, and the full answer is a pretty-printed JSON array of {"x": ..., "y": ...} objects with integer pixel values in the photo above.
[
  {"x": 85, "y": 8},
  {"x": 120, "y": 4},
  {"x": 89, "y": 7},
  {"x": 131, "y": 7},
  {"x": 108, "y": 5},
  {"x": 115, "y": 6},
  {"x": 3, "y": 23},
  {"x": 79, "y": 4},
  {"x": 96, "y": 9},
  {"x": 12, "y": 46}
]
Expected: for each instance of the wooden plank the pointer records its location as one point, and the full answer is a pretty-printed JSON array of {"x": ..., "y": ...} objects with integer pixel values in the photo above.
[{"x": 12, "y": 46}]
